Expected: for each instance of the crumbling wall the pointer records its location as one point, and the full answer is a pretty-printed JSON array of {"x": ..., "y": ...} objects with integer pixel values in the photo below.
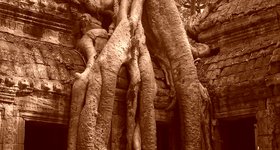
[{"x": 243, "y": 79}]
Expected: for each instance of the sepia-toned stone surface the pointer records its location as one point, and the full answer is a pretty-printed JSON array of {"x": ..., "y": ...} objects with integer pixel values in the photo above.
[
  {"x": 243, "y": 78},
  {"x": 38, "y": 61}
]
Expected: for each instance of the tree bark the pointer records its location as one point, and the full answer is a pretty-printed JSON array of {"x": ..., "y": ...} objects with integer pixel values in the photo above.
[
  {"x": 96, "y": 115},
  {"x": 147, "y": 94},
  {"x": 96, "y": 112},
  {"x": 167, "y": 26}
]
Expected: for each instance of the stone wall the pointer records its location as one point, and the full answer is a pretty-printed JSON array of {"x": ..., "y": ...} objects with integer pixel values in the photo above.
[{"x": 243, "y": 79}]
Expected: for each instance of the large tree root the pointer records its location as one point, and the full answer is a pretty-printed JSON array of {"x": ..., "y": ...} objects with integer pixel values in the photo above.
[
  {"x": 95, "y": 118},
  {"x": 167, "y": 27},
  {"x": 147, "y": 95},
  {"x": 132, "y": 97},
  {"x": 128, "y": 39},
  {"x": 86, "y": 47}
]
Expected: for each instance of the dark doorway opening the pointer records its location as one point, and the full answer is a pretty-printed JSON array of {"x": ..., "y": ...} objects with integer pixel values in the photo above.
[
  {"x": 45, "y": 136},
  {"x": 168, "y": 135},
  {"x": 162, "y": 136},
  {"x": 238, "y": 134}
]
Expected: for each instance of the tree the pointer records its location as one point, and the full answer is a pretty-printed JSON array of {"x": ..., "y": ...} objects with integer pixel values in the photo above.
[{"x": 142, "y": 28}]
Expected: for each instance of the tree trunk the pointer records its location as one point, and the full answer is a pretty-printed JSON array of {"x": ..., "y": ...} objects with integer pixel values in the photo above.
[
  {"x": 165, "y": 22},
  {"x": 96, "y": 114},
  {"x": 147, "y": 95}
]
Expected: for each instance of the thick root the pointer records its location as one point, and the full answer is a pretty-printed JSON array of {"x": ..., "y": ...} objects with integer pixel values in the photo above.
[
  {"x": 137, "y": 138},
  {"x": 205, "y": 118},
  {"x": 78, "y": 95},
  {"x": 114, "y": 54},
  {"x": 132, "y": 96},
  {"x": 166, "y": 24},
  {"x": 147, "y": 95}
]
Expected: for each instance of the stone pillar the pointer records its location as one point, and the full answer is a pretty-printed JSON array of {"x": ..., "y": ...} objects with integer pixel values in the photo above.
[
  {"x": 9, "y": 114},
  {"x": 216, "y": 135},
  {"x": 268, "y": 125},
  {"x": 9, "y": 128},
  {"x": 1, "y": 129},
  {"x": 21, "y": 133}
]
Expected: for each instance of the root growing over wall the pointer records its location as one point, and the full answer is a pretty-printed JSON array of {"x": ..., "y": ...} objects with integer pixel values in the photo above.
[{"x": 94, "y": 90}]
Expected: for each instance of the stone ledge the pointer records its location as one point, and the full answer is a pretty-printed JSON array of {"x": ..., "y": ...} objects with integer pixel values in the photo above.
[
  {"x": 35, "y": 25},
  {"x": 227, "y": 11},
  {"x": 237, "y": 113}
]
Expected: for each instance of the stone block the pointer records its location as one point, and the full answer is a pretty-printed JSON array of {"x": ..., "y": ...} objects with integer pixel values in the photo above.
[
  {"x": 8, "y": 147},
  {"x": 39, "y": 59},
  {"x": 275, "y": 58},
  {"x": 241, "y": 67},
  {"x": 63, "y": 72},
  {"x": 265, "y": 142},
  {"x": 276, "y": 90},
  {"x": 77, "y": 58},
  {"x": 220, "y": 64},
  {"x": 274, "y": 68},
  {"x": 262, "y": 92},
  {"x": 7, "y": 68},
  {"x": 231, "y": 79},
  {"x": 31, "y": 70},
  {"x": 19, "y": 69},
  {"x": 266, "y": 60},
  {"x": 42, "y": 70},
  {"x": 53, "y": 72},
  {"x": 50, "y": 62},
  {"x": 29, "y": 59},
  {"x": 222, "y": 91},
  {"x": 260, "y": 73},
  {"x": 18, "y": 57},
  {"x": 228, "y": 62},
  {"x": 244, "y": 76},
  {"x": 254, "y": 55},
  {"x": 215, "y": 82},
  {"x": 259, "y": 62},
  {"x": 212, "y": 66},
  {"x": 226, "y": 71},
  {"x": 208, "y": 74},
  {"x": 250, "y": 64},
  {"x": 214, "y": 59},
  {"x": 56, "y": 54},
  {"x": 213, "y": 74},
  {"x": 234, "y": 69},
  {"x": 208, "y": 60},
  {"x": 223, "y": 81}
]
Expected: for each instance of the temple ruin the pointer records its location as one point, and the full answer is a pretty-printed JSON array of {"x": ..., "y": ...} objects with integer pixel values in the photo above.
[{"x": 39, "y": 60}]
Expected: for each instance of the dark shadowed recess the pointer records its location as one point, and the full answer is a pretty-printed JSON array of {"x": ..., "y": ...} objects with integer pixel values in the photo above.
[
  {"x": 45, "y": 136},
  {"x": 238, "y": 134}
]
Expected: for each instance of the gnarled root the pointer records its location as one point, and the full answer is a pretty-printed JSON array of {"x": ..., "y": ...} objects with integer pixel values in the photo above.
[
  {"x": 137, "y": 138},
  {"x": 205, "y": 118},
  {"x": 85, "y": 45},
  {"x": 147, "y": 95},
  {"x": 132, "y": 96}
]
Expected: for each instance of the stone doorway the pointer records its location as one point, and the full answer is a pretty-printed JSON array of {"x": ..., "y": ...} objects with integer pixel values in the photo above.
[
  {"x": 238, "y": 134},
  {"x": 168, "y": 135},
  {"x": 45, "y": 136}
]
